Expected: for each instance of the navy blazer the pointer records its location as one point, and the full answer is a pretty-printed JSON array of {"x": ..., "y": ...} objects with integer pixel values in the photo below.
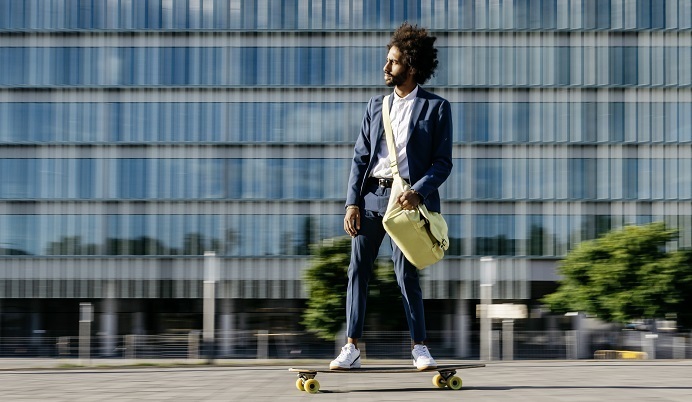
[{"x": 429, "y": 149}]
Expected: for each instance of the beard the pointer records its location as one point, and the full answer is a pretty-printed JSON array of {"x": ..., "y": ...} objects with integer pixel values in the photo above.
[{"x": 393, "y": 80}]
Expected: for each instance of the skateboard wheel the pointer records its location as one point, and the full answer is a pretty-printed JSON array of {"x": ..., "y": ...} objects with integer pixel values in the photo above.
[
  {"x": 299, "y": 384},
  {"x": 438, "y": 381},
  {"x": 311, "y": 386},
  {"x": 454, "y": 383}
]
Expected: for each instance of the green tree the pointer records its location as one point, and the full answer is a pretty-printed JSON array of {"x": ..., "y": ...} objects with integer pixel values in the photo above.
[
  {"x": 627, "y": 274},
  {"x": 327, "y": 282}
]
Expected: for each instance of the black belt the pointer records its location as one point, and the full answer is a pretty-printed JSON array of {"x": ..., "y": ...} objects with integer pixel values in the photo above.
[{"x": 384, "y": 183}]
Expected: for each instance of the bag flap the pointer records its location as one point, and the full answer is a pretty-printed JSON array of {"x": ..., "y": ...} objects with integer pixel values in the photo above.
[{"x": 438, "y": 226}]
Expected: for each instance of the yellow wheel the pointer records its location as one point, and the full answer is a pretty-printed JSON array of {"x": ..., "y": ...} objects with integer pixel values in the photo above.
[
  {"x": 299, "y": 384},
  {"x": 454, "y": 383},
  {"x": 438, "y": 381},
  {"x": 312, "y": 386}
]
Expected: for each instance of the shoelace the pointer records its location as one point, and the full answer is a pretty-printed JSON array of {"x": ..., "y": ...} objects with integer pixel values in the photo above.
[
  {"x": 423, "y": 352},
  {"x": 344, "y": 352}
]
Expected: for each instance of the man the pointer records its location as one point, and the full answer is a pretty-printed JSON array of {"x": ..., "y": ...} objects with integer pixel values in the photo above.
[{"x": 422, "y": 129}]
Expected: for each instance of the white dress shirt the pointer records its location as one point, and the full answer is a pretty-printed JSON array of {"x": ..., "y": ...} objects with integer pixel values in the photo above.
[{"x": 400, "y": 115}]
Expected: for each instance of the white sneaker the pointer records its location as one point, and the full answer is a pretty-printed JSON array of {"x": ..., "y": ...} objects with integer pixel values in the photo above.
[
  {"x": 349, "y": 358},
  {"x": 422, "y": 358}
]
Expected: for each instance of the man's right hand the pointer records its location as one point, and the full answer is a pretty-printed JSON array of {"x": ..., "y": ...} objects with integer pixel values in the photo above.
[{"x": 352, "y": 221}]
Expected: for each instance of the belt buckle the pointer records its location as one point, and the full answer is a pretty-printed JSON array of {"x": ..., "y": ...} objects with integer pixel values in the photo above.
[{"x": 384, "y": 183}]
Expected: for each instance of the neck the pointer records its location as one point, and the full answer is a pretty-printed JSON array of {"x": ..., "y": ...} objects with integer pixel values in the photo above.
[{"x": 405, "y": 88}]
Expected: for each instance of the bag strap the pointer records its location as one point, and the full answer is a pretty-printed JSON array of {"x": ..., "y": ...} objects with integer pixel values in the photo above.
[{"x": 386, "y": 119}]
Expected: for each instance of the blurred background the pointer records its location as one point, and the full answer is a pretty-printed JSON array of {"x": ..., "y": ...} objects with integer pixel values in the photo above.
[{"x": 136, "y": 135}]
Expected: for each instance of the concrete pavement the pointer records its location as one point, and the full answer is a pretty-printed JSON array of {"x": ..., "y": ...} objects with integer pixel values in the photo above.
[{"x": 536, "y": 381}]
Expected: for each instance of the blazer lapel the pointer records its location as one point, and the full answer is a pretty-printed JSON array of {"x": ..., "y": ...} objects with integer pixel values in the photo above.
[
  {"x": 415, "y": 112},
  {"x": 380, "y": 125}
]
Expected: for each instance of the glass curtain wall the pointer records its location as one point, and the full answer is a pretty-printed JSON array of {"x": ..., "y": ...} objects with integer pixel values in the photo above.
[
  {"x": 350, "y": 15},
  {"x": 180, "y": 123}
]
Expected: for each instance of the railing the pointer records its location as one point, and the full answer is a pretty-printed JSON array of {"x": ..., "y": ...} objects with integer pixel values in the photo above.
[{"x": 525, "y": 345}]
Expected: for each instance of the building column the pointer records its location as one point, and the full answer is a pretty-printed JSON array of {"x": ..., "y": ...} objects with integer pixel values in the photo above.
[
  {"x": 227, "y": 326},
  {"x": 108, "y": 321},
  {"x": 35, "y": 325},
  {"x": 449, "y": 333},
  {"x": 138, "y": 323},
  {"x": 36, "y": 328},
  {"x": 461, "y": 326}
]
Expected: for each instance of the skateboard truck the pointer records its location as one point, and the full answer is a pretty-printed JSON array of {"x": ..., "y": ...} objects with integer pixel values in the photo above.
[
  {"x": 307, "y": 382},
  {"x": 447, "y": 378}
]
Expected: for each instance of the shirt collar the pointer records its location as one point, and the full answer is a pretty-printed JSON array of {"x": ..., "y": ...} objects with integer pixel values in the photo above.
[{"x": 409, "y": 97}]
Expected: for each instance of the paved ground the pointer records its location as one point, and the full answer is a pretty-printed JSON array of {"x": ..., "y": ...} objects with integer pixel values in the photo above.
[{"x": 535, "y": 381}]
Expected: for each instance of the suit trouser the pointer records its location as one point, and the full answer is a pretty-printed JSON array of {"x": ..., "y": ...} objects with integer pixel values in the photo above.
[{"x": 364, "y": 249}]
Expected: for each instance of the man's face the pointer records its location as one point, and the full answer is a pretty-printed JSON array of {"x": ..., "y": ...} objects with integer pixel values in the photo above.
[{"x": 396, "y": 72}]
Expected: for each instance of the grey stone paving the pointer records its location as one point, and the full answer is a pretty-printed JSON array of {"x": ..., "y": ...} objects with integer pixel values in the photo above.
[{"x": 537, "y": 381}]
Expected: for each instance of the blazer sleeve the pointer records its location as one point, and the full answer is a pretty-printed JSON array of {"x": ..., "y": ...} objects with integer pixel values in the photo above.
[
  {"x": 441, "y": 162},
  {"x": 361, "y": 159}
]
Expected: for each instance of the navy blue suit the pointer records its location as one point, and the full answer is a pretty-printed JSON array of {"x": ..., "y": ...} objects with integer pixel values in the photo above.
[{"x": 429, "y": 154}]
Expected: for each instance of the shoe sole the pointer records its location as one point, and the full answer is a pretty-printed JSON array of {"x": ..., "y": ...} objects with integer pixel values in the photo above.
[
  {"x": 424, "y": 368},
  {"x": 337, "y": 368}
]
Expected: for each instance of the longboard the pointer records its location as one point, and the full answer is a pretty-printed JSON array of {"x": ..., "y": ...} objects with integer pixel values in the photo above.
[{"x": 445, "y": 377}]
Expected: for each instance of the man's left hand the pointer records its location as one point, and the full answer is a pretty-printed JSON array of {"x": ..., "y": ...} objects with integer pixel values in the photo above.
[{"x": 409, "y": 200}]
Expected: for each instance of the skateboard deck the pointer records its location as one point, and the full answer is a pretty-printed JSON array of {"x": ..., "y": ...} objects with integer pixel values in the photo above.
[{"x": 445, "y": 377}]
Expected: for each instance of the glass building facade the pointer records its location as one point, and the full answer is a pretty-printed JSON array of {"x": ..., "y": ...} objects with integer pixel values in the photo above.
[{"x": 137, "y": 134}]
